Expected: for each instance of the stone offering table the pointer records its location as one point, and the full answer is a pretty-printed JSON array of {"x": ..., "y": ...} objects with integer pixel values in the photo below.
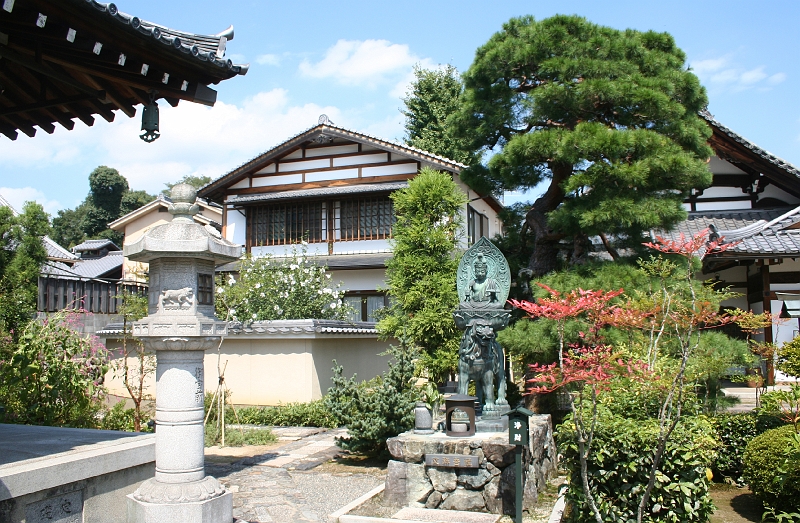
[{"x": 488, "y": 488}]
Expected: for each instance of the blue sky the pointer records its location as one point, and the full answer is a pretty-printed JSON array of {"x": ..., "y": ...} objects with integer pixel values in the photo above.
[{"x": 352, "y": 61}]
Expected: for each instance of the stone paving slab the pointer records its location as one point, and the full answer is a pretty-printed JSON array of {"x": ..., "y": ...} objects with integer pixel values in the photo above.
[{"x": 445, "y": 516}]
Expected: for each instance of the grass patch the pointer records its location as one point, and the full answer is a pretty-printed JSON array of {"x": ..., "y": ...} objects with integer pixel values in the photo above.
[{"x": 238, "y": 438}]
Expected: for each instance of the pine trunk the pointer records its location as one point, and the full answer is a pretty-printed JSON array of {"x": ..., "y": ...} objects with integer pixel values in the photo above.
[{"x": 544, "y": 258}]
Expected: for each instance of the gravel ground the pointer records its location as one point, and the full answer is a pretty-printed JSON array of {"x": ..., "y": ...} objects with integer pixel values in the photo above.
[{"x": 326, "y": 493}]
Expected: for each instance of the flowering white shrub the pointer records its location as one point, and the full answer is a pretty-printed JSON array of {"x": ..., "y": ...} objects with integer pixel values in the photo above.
[{"x": 271, "y": 288}]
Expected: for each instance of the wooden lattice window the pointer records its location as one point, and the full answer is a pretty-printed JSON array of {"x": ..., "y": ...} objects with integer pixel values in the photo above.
[
  {"x": 365, "y": 218},
  {"x": 286, "y": 223},
  {"x": 205, "y": 289}
]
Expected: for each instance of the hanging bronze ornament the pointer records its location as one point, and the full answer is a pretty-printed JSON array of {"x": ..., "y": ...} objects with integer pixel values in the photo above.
[{"x": 150, "y": 121}]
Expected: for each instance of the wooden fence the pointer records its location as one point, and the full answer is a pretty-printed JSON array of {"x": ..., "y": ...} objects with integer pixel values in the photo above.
[{"x": 95, "y": 296}]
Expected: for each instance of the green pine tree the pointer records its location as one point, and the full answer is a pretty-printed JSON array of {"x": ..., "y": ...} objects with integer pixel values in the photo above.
[{"x": 604, "y": 121}]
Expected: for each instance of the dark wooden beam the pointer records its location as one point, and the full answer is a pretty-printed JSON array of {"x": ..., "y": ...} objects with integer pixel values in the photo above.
[
  {"x": 44, "y": 104},
  {"x": 48, "y": 71}
]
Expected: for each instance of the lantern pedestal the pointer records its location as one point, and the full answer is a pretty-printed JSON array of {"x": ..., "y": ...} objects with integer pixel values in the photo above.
[{"x": 179, "y": 328}]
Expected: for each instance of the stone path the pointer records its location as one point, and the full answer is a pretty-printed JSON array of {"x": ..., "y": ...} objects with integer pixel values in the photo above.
[{"x": 279, "y": 486}]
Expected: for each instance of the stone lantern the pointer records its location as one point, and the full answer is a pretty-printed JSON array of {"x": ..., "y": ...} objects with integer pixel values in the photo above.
[{"x": 179, "y": 328}]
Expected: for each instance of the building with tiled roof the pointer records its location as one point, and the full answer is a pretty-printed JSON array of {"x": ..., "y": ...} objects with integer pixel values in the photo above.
[
  {"x": 330, "y": 186},
  {"x": 67, "y": 60},
  {"x": 155, "y": 213},
  {"x": 753, "y": 203}
]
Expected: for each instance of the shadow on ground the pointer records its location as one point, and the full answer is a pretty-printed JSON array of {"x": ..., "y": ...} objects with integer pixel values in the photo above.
[{"x": 735, "y": 505}]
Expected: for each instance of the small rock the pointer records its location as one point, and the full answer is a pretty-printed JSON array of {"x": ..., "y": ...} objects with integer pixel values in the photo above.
[
  {"x": 418, "y": 486},
  {"x": 395, "y": 491},
  {"x": 462, "y": 499},
  {"x": 474, "y": 478},
  {"x": 434, "y": 499},
  {"x": 443, "y": 480}
]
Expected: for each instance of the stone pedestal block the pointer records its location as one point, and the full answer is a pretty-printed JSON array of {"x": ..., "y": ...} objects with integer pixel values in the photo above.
[
  {"x": 215, "y": 510},
  {"x": 488, "y": 488}
]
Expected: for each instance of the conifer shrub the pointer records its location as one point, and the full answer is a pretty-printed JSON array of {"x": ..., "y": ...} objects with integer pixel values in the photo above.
[
  {"x": 772, "y": 470},
  {"x": 619, "y": 466},
  {"x": 375, "y": 410},
  {"x": 734, "y": 432}
]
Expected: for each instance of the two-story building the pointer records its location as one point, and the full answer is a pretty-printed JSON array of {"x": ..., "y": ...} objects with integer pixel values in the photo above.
[{"x": 330, "y": 187}]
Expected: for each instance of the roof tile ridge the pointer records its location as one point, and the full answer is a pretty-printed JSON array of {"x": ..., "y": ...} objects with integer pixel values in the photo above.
[
  {"x": 783, "y": 217},
  {"x": 705, "y": 114}
]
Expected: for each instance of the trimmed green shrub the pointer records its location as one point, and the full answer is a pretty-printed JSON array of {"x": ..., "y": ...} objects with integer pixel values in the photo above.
[
  {"x": 771, "y": 470},
  {"x": 734, "y": 432},
  {"x": 375, "y": 410},
  {"x": 619, "y": 467},
  {"x": 789, "y": 358},
  {"x": 311, "y": 414},
  {"x": 118, "y": 418}
]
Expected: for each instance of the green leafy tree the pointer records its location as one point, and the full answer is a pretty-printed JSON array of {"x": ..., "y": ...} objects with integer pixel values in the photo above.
[
  {"x": 55, "y": 375},
  {"x": 134, "y": 363},
  {"x": 21, "y": 257},
  {"x": 789, "y": 358},
  {"x": 290, "y": 288},
  {"x": 68, "y": 225},
  {"x": 194, "y": 181},
  {"x": 132, "y": 200},
  {"x": 106, "y": 189},
  {"x": 421, "y": 274},
  {"x": 378, "y": 409},
  {"x": 434, "y": 96},
  {"x": 109, "y": 198},
  {"x": 605, "y": 121}
]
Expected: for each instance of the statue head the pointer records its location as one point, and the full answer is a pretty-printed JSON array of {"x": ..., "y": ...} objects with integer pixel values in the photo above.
[{"x": 480, "y": 268}]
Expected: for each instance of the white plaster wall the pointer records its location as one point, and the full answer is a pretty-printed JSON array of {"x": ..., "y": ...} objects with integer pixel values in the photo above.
[
  {"x": 236, "y": 227},
  {"x": 314, "y": 249},
  {"x": 360, "y": 279},
  {"x": 718, "y": 166},
  {"x": 770, "y": 191},
  {"x": 273, "y": 370},
  {"x": 719, "y": 206},
  {"x": 346, "y": 247}
]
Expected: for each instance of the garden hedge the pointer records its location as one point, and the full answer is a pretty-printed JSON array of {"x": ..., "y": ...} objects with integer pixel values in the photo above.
[{"x": 619, "y": 467}]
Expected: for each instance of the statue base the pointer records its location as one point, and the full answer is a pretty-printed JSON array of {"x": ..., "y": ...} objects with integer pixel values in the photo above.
[{"x": 492, "y": 425}]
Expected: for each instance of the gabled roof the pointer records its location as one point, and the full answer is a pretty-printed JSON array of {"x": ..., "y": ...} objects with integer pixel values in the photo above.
[
  {"x": 68, "y": 59},
  {"x": 760, "y": 233},
  {"x": 56, "y": 252},
  {"x": 103, "y": 267},
  {"x": 215, "y": 189},
  {"x": 743, "y": 153},
  {"x": 163, "y": 201},
  {"x": 95, "y": 245}
]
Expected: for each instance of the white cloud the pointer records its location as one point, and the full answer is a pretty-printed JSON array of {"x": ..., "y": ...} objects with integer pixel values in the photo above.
[
  {"x": 17, "y": 196},
  {"x": 206, "y": 140},
  {"x": 705, "y": 66},
  {"x": 195, "y": 139},
  {"x": 268, "y": 59},
  {"x": 367, "y": 62},
  {"x": 776, "y": 78},
  {"x": 723, "y": 73},
  {"x": 753, "y": 76}
]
